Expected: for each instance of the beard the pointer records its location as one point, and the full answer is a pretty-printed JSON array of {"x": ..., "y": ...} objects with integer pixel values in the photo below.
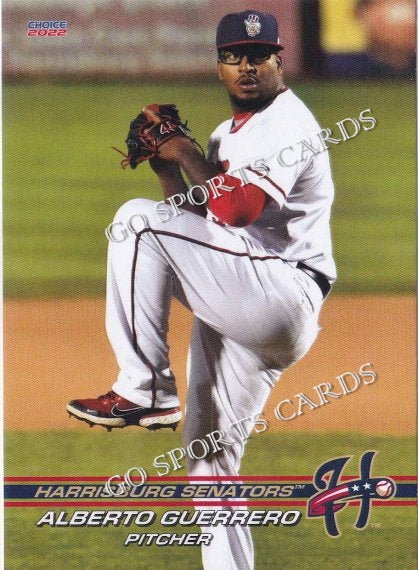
[
  {"x": 247, "y": 104},
  {"x": 251, "y": 104}
]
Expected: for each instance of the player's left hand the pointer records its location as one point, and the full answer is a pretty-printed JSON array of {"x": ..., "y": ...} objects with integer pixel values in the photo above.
[{"x": 152, "y": 128}]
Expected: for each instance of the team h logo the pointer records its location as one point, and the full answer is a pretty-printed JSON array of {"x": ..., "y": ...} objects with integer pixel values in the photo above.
[
  {"x": 334, "y": 496},
  {"x": 252, "y": 25}
]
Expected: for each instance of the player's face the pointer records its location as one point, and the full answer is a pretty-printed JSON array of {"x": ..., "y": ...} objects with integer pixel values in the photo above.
[{"x": 252, "y": 75}]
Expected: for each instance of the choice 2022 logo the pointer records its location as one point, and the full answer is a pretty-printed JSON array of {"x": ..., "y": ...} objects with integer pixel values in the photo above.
[
  {"x": 334, "y": 496},
  {"x": 42, "y": 28}
]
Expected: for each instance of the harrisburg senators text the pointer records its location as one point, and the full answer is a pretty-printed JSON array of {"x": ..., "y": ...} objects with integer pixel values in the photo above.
[{"x": 149, "y": 491}]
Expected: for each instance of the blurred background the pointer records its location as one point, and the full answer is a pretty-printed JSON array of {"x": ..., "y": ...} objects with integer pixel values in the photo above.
[{"x": 142, "y": 38}]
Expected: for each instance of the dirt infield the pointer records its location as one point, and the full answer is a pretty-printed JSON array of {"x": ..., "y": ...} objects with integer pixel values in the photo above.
[{"x": 57, "y": 350}]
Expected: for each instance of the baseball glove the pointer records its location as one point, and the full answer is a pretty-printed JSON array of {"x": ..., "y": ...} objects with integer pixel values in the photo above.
[{"x": 155, "y": 125}]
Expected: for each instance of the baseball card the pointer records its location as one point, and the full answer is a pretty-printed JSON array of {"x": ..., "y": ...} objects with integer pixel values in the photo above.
[{"x": 209, "y": 284}]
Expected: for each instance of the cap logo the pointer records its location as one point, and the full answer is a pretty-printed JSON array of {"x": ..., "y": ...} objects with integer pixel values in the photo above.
[{"x": 252, "y": 25}]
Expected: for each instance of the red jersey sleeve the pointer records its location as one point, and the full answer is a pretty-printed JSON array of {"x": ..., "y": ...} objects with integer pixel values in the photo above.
[{"x": 241, "y": 205}]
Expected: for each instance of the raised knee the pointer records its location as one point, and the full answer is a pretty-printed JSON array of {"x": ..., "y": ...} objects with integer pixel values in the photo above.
[
  {"x": 131, "y": 218},
  {"x": 133, "y": 209}
]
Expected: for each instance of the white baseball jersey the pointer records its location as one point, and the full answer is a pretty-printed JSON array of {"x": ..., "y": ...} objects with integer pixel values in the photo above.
[{"x": 295, "y": 223}]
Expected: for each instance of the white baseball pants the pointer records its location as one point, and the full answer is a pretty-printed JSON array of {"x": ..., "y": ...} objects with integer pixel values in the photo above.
[{"x": 255, "y": 315}]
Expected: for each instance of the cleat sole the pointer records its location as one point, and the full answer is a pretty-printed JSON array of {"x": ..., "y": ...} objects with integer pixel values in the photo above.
[
  {"x": 154, "y": 427},
  {"x": 167, "y": 419}
]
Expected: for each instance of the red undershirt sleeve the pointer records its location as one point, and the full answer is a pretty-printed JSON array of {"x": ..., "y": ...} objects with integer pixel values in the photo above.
[{"x": 240, "y": 206}]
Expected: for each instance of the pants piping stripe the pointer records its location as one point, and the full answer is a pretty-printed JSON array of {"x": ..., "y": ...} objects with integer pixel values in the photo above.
[{"x": 134, "y": 334}]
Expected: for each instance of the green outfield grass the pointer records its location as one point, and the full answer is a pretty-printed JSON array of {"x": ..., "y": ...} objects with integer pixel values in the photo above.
[
  {"x": 97, "y": 452},
  {"x": 387, "y": 541},
  {"x": 62, "y": 183}
]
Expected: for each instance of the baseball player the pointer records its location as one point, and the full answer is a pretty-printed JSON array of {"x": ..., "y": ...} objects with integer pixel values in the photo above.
[{"x": 247, "y": 248}]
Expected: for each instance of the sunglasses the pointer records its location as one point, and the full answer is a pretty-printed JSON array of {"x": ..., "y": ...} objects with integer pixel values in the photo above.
[{"x": 255, "y": 54}]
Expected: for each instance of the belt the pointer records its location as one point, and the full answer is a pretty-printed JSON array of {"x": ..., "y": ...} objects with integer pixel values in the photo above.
[{"x": 318, "y": 277}]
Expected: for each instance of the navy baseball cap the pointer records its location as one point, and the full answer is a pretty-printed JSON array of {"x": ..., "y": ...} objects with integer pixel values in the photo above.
[{"x": 248, "y": 27}]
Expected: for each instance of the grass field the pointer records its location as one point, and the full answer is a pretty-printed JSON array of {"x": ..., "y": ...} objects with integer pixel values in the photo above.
[
  {"x": 387, "y": 542},
  {"x": 62, "y": 181}
]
